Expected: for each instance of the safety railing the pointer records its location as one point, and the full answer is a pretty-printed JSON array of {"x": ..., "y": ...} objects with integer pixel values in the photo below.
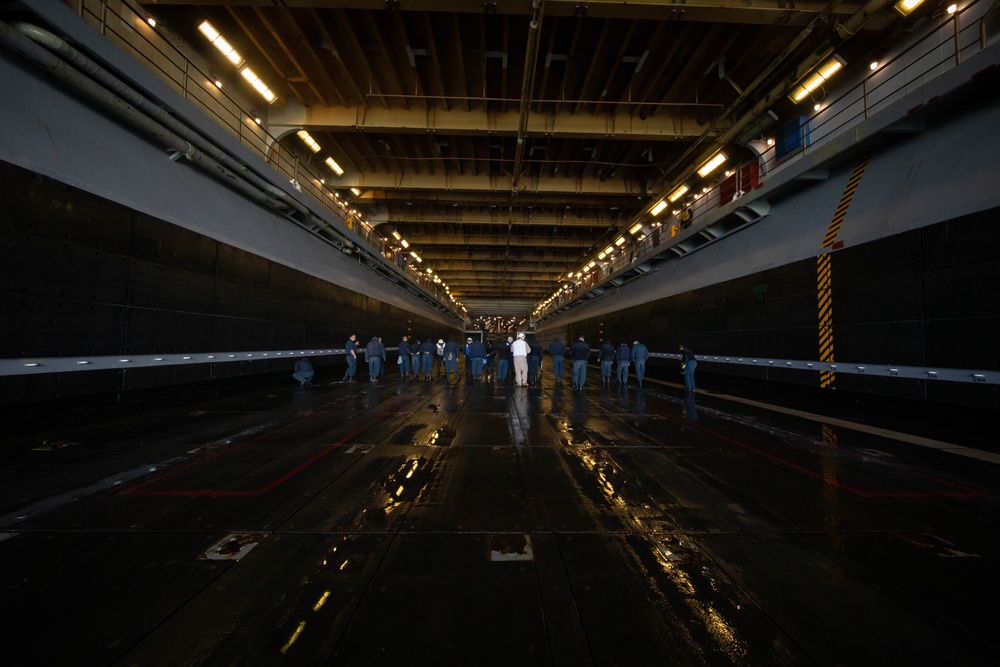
[
  {"x": 953, "y": 39},
  {"x": 129, "y": 29},
  {"x": 42, "y": 365}
]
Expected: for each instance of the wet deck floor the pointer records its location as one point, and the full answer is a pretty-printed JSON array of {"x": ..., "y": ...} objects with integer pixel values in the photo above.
[{"x": 425, "y": 523}]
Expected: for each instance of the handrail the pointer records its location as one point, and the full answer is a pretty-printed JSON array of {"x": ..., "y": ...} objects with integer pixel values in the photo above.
[
  {"x": 944, "y": 45},
  {"x": 80, "y": 363},
  {"x": 127, "y": 28}
]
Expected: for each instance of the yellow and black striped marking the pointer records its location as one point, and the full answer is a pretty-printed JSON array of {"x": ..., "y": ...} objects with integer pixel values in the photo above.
[
  {"x": 845, "y": 202},
  {"x": 824, "y": 277}
]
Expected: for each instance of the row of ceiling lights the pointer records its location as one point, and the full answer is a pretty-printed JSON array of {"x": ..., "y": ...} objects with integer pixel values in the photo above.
[
  {"x": 233, "y": 56},
  {"x": 223, "y": 45},
  {"x": 809, "y": 83},
  {"x": 430, "y": 272},
  {"x": 499, "y": 324}
]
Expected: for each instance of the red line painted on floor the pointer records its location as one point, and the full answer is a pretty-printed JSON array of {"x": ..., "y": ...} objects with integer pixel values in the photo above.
[
  {"x": 141, "y": 491},
  {"x": 966, "y": 493}
]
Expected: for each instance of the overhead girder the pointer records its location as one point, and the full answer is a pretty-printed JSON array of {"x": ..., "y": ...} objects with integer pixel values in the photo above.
[
  {"x": 497, "y": 216},
  {"x": 712, "y": 11},
  {"x": 493, "y": 277},
  {"x": 486, "y": 183},
  {"x": 493, "y": 290},
  {"x": 452, "y": 266},
  {"x": 425, "y": 240},
  {"x": 498, "y": 199},
  {"x": 500, "y": 254},
  {"x": 455, "y": 279},
  {"x": 492, "y": 306},
  {"x": 683, "y": 125}
]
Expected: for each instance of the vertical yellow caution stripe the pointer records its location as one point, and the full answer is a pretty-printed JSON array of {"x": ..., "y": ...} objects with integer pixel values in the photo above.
[
  {"x": 824, "y": 292},
  {"x": 824, "y": 277}
]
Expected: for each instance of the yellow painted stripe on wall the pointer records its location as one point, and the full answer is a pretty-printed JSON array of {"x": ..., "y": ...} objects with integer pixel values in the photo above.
[{"x": 824, "y": 277}]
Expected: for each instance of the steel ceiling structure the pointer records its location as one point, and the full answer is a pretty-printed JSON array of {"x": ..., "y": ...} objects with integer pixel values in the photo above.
[{"x": 508, "y": 141}]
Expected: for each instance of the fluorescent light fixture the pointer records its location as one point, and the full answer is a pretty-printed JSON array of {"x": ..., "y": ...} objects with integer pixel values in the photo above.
[
  {"x": 817, "y": 78},
  {"x": 357, "y": 193},
  {"x": 904, "y": 7},
  {"x": 310, "y": 142},
  {"x": 405, "y": 243},
  {"x": 637, "y": 226},
  {"x": 660, "y": 205},
  {"x": 219, "y": 42},
  {"x": 602, "y": 255},
  {"x": 396, "y": 236},
  {"x": 337, "y": 169},
  {"x": 257, "y": 84},
  {"x": 714, "y": 163},
  {"x": 677, "y": 193},
  {"x": 609, "y": 250},
  {"x": 620, "y": 240},
  {"x": 591, "y": 265}
]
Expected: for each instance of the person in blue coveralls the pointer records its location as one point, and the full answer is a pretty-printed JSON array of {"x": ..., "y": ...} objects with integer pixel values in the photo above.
[
  {"x": 557, "y": 349},
  {"x": 451, "y": 359},
  {"x": 404, "y": 357},
  {"x": 639, "y": 355},
  {"x": 351, "y": 352},
  {"x": 477, "y": 352},
  {"x": 580, "y": 351},
  {"x": 688, "y": 363},
  {"x": 304, "y": 371},
  {"x": 427, "y": 350},
  {"x": 623, "y": 356},
  {"x": 373, "y": 353},
  {"x": 606, "y": 355}
]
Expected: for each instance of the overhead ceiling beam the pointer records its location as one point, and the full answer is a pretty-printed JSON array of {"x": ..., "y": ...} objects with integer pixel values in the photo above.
[
  {"x": 498, "y": 199},
  {"x": 672, "y": 122},
  {"x": 570, "y": 255},
  {"x": 480, "y": 277},
  {"x": 560, "y": 218},
  {"x": 488, "y": 183},
  {"x": 460, "y": 266},
  {"x": 499, "y": 240},
  {"x": 529, "y": 285},
  {"x": 715, "y": 11}
]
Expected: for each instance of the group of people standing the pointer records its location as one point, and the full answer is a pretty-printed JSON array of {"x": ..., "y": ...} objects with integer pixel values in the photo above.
[
  {"x": 618, "y": 360},
  {"x": 374, "y": 353},
  {"x": 419, "y": 359}
]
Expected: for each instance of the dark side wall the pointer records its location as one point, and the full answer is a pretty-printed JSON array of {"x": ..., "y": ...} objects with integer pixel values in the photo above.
[
  {"x": 84, "y": 275},
  {"x": 928, "y": 297}
]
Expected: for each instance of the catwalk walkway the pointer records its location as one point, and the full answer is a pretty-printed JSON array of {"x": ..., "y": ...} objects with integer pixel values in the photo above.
[{"x": 421, "y": 523}]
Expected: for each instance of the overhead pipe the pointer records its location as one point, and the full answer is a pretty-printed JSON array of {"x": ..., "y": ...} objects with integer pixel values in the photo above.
[
  {"x": 123, "y": 91},
  {"x": 118, "y": 107},
  {"x": 751, "y": 116},
  {"x": 34, "y": 45},
  {"x": 844, "y": 32},
  {"x": 527, "y": 82}
]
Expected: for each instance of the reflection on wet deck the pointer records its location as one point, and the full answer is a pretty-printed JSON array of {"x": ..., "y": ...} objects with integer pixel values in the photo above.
[{"x": 462, "y": 524}]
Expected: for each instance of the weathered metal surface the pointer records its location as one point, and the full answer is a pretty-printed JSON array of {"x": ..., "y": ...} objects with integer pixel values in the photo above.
[{"x": 638, "y": 527}]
